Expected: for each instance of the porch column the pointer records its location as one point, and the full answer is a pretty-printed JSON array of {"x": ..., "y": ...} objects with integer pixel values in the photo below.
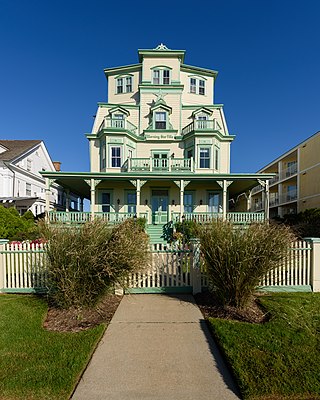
[
  {"x": 249, "y": 198},
  {"x": 181, "y": 198},
  {"x": 138, "y": 198},
  {"x": 93, "y": 197},
  {"x": 47, "y": 198},
  {"x": 67, "y": 200},
  {"x": 266, "y": 200},
  {"x": 224, "y": 200}
]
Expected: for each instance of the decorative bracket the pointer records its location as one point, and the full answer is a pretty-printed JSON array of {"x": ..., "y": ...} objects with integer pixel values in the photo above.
[
  {"x": 228, "y": 183},
  {"x": 96, "y": 182}
]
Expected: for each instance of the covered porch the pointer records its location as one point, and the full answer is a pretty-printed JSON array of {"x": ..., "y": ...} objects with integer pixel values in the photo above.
[{"x": 159, "y": 198}]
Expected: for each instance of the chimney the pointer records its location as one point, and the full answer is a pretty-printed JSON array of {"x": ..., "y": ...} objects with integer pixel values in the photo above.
[{"x": 57, "y": 165}]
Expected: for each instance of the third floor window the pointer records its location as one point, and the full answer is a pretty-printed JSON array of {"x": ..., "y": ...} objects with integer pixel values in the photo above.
[
  {"x": 124, "y": 85},
  {"x": 197, "y": 86},
  {"x": 161, "y": 77}
]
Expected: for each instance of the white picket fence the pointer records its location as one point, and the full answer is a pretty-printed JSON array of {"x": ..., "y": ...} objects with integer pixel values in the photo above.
[{"x": 22, "y": 269}]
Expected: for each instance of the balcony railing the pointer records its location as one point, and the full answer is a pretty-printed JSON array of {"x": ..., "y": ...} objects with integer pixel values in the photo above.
[
  {"x": 201, "y": 125},
  {"x": 234, "y": 217},
  {"x": 117, "y": 124},
  {"x": 159, "y": 164}
]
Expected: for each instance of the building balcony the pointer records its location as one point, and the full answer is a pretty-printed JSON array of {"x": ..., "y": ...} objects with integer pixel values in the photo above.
[
  {"x": 118, "y": 125},
  {"x": 159, "y": 165},
  {"x": 202, "y": 126}
]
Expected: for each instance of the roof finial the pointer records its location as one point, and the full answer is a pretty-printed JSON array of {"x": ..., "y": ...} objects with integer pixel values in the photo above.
[{"x": 161, "y": 46}]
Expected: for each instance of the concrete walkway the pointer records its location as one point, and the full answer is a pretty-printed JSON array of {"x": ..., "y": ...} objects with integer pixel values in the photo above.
[{"x": 156, "y": 347}]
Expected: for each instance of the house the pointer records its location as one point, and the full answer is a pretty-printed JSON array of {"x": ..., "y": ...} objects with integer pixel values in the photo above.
[
  {"x": 159, "y": 148},
  {"x": 296, "y": 185},
  {"x": 21, "y": 184}
]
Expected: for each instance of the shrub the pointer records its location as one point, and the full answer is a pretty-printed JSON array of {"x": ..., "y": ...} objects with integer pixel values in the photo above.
[
  {"x": 85, "y": 261},
  {"x": 15, "y": 227},
  {"x": 186, "y": 230},
  {"x": 237, "y": 258}
]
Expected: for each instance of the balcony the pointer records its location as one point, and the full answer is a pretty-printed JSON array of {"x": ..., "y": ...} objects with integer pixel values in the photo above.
[
  {"x": 201, "y": 125},
  {"x": 113, "y": 124},
  {"x": 152, "y": 164}
]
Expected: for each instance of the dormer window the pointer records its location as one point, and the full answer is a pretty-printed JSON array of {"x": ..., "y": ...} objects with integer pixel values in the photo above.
[
  {"x": 118, "y": 121},
  {"x": 160, "y": 120},
  {"x": 124, "y": 85},
  {"x": 197, "y": 86},
  {"x": 161, "y": 76}
]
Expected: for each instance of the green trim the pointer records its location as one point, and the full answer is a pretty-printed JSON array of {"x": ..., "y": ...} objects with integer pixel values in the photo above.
[
  {"x": 123, "y": 76},
  {"x": 195, "y": 106},
  {"x": 200, "y": 70},
  {"x": 212, "y": 134},
  {"x": 112, "y": 105},
  {"x": 178, "y": 289},
  {"x": 286, "y": 288},
  {"x": 161, "y": 130},
  {"x": 39, "y": 290},
  {"x": 153, "y": 53},
  {"x": 197, "y": 76},
  {"x": 162, "y": 67},
  {"x": 124, "y": 68}
]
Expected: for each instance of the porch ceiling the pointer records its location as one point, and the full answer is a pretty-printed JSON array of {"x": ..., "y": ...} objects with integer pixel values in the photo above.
[{"x": 76, "y": 181}]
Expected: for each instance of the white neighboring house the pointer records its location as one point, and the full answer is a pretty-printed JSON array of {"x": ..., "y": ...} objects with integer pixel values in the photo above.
[{"x": 21, "y": 184}]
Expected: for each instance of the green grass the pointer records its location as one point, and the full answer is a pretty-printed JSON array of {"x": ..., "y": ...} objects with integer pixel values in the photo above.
[
  {"x": 35, "y": 363},
  {"x": 278, "y": 359}
]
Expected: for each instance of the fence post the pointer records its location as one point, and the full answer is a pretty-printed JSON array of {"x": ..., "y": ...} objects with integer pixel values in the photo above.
[
  {"x": 315, "y": 263},
  {"x": 195, "y": 266},
  {"x": 3, "y": 243}
]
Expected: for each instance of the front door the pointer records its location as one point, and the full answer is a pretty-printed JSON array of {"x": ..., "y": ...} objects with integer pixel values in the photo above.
[{"x": 159, "y": 206}]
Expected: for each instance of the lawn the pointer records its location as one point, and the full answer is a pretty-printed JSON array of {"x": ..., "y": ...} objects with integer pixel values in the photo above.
[
  {"x": 35, "y": 363},
  {"x": 280, "y": 358}
]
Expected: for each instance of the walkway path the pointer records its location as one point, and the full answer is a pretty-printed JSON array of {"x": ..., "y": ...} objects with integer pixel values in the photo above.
[{"x": 156, "y": 347}]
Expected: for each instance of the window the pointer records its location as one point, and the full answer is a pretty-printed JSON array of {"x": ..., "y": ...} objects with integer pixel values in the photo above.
[
  {"x": 106, "y": 202},
  {"x": 124, "y": 85},
  {"x": 197, "y": 86},
  {"x": 115, "y": 157},
  {"x": 204, "y": 158},
  {"x": 160, "y": 160},
  {"x": 29, "y": 164},
  {"x": 132, "y": 202},
  {"x": 120, "y": 85},
  {"x": 216, "y": 158},
  {"x": 202, "y": 122},
  {"x": 118, "y": 121},
  {"x": 103, "y": 154},
  {"x": 193, "y": 85},
  {"x": 161, "y": 77},
  {"x": 214, "y": 203},
  {"x": 188, "y": 202},
  {"x": 28, "y": 189},
  {"x": 160, "y": 120}
]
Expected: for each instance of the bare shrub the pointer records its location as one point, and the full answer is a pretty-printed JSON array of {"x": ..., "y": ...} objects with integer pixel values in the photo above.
[
  {"x": 85, "y": 261},
  {"x": 238, "y": 258}
]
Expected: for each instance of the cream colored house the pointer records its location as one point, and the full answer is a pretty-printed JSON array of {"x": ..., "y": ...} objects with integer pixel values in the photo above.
[
  {"x": 160, "y": 147},
  {"x": 296, "y": 185}
]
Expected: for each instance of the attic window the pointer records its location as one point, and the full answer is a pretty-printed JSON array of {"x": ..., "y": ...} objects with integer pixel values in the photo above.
[{"x": 160, "y": 120}]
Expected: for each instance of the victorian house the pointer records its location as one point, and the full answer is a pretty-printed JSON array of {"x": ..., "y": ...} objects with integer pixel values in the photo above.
[{"x": 160, "y": 148}]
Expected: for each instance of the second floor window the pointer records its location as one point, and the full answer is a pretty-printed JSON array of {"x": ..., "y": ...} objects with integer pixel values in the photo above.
[
  {"x": 160, "y": 120},
  {"x": 115, "y": 157},
  {"x": 28, "y": 189},
  {"x": 124, "y": 85},
  {"x": 161, "y": 77},
  {"x": 204, "y": 158}
]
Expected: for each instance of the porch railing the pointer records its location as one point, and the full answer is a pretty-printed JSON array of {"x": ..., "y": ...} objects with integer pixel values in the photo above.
[
  {"x": 234, "y": 217},
  {"x": 82, "y": 217}
]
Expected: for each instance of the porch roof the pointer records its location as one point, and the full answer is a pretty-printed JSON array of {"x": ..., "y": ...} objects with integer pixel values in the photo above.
[{"x": 76, "y": 181}]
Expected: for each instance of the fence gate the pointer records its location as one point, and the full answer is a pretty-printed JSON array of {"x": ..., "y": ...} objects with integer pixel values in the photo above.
[{"x": 170, "y": 272}]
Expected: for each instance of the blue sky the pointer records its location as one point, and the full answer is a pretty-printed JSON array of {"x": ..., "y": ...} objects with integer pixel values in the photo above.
[{"x": 267, "y": 54}]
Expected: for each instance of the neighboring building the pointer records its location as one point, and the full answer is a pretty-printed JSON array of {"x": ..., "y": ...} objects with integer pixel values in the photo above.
[
  {"x": 160, "y": 146},
  {"x": 21, "y": 184},
  {"x": 296, "y": 185}
]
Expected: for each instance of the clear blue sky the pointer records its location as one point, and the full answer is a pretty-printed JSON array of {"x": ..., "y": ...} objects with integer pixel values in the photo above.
[{"x": 267, "y": 53}]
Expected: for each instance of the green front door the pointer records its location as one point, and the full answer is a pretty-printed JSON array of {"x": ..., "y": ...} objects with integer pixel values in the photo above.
[{"x": 159, "y": 204}]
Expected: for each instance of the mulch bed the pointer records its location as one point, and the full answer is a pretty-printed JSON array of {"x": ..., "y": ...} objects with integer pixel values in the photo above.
[
  {"x": 75, "y": 319},
  {"x": 210, "y": 307}
]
